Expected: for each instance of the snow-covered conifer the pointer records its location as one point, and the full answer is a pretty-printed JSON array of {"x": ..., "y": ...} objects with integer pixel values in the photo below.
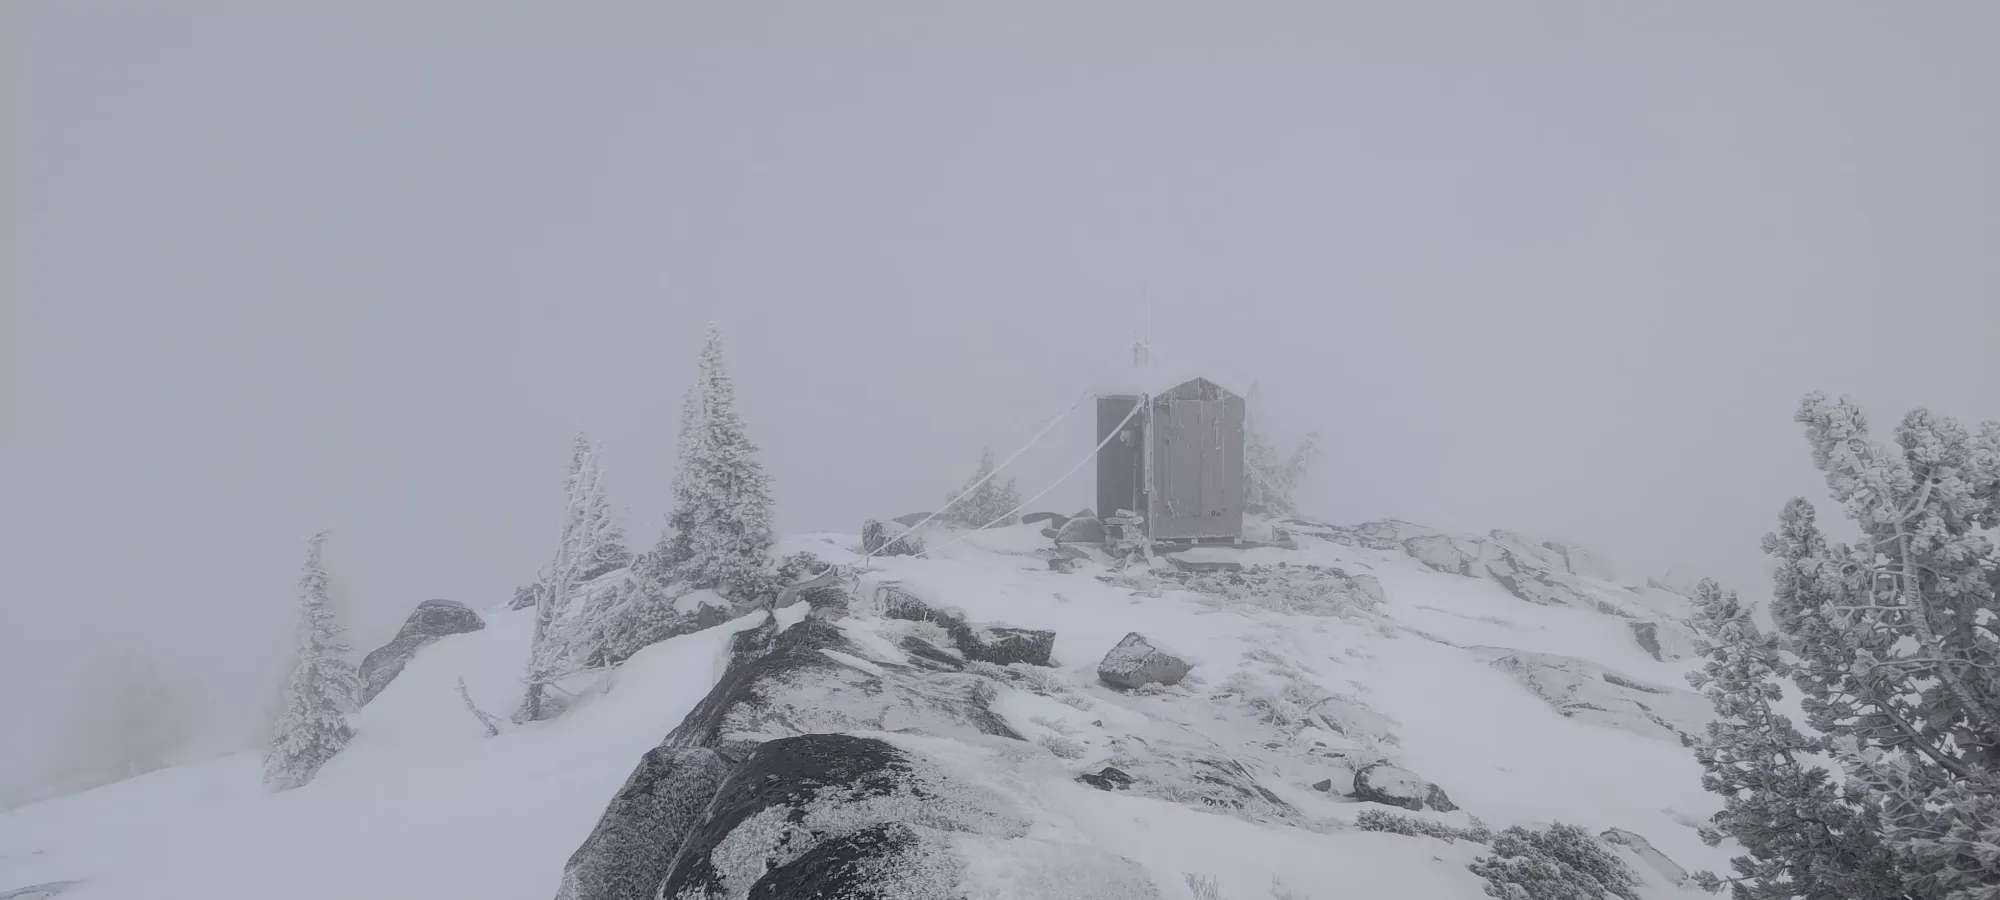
[
  {"x": 1272, "y": 477},
  {"x": 572, "y": 613},
  {"x": 313, "y": 724},
  {"x": 991, "y": 501},
  {"x": 722, "y": 517},
  {"x": 1899, "y": 638},
  {"x": 1801, "y": 836}
]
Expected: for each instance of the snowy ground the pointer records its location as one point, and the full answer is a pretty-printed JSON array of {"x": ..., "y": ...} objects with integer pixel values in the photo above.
[{"x": 423, "y": 805}]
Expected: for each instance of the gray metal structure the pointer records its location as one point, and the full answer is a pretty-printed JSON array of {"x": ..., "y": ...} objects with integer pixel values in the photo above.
[{"x": 1179, "y": 462}]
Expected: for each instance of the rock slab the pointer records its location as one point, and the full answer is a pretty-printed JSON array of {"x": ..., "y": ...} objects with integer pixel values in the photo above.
[
  {"x": 1394, "y": 786},
  {"x": 1137, "y": 662},
  {"x": 432, "y": 619}
]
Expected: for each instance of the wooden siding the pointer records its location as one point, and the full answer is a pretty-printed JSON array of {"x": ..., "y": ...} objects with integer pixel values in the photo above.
[{"x": 1197, "y": 442}]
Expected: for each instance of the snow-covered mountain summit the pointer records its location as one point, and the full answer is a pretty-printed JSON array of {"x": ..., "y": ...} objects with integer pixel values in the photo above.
[{"x": 1351, "y": 716}]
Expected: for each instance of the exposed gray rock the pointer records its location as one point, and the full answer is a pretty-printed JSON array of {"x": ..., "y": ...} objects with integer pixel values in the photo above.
[
  {"x": 800, "y": 680},
  {"x": 1665, "y": 641},
  {"x": 1083, "y": 530},
  {"x": 1137, "y": 662},
  {"x": 1394, "y": 786},
  {"x": 1004, "y": 645},
  {"x": 1055, "y": 520},
  {"x": 1585, "y": 691},
  {"x": 432, "y": 619},
  {"x": 1654, "y": 859},
  {"x": 910, "y": 520},
  {"x": 1109, "y": 778},
  {"x": 998, "y": 644}
]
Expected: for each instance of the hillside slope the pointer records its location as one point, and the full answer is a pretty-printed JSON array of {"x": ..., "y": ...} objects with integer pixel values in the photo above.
[{"x": 1507, "y": 673}]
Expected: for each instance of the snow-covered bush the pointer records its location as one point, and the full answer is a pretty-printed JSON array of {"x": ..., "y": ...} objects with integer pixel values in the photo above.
[
  {"x": 1203, "y": 887},
  {"x": 1891, "y": 644},
  {"x": 1308, "y": 590},
  {"x": 1563, "y": 862},
  {"x": 1411, "y": 826},
  {"x": 990, "y": 502},
  {"x": 1062, "y": 747}
]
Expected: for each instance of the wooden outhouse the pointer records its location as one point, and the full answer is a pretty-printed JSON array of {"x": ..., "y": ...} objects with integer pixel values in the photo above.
[{"x": 1178, "y": 461}]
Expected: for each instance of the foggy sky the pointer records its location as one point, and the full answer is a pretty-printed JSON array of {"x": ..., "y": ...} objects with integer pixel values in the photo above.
[{"x": 1563, "y": 268}]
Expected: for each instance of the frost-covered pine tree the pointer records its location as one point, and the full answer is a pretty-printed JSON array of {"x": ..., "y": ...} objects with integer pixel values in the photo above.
[
  {"x": 722, "y": 515},
  {"x": 1802, "y": 837},
  {"x": 1272, "y": 477},
  {"x": 572, "y": 613},
  {"x": 312, "y": 726},
  {"x": 991, "y": 501},
  {"x": 1899, "y": 637}
]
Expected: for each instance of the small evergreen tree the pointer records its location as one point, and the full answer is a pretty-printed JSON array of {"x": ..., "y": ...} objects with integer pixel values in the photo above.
[
  {"x": 313, "y": 724},
  {"x": 722, "y": 516},
  {"x": 1272, "y": 477},
  {"x": 571, "y": 613},
  {"x": 991, "y": 501}
]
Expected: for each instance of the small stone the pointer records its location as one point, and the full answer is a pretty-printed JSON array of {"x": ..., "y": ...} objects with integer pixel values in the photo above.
[{"x": 1324, "y": 787}]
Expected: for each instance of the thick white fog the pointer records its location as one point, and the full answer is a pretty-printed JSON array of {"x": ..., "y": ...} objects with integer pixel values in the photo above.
[{"x": 1558, "y": 268}]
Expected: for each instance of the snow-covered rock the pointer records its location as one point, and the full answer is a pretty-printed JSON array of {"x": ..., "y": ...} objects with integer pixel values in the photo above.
[
  {"x": 431, "y": 620},
  {"x": 1588, "y": 692},
  {"x": 1668, "y": 870},
  {"x": 1001, "y": 645},
  {"x": 1395, "y": 786},
  {"x": 1081, "y": 530},
  {"x": 1137, "y": 662}
]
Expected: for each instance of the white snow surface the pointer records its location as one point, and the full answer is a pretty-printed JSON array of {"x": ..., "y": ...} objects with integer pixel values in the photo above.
[{"x": 423, "y": 805}]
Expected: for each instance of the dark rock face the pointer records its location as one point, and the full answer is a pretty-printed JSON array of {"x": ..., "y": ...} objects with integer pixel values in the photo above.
[
  {"x": 910, "y": 520},
  {"x": 785, "y": 776},
  {"x": 781, "y": 683},
  {"x": 1085, "y": 530},
  {"x": 1110, "y": 778},
  {"x": 1135, "y": 663},
  {"x": 1055, "y": 520},
  {"x": 632, "y": 848},
  {"x": 1001, "y": 645},
  {"x": 849, "y": 867},
  {"x": 432, "y": 619},
  {"x": 1387, "y": 784}
]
